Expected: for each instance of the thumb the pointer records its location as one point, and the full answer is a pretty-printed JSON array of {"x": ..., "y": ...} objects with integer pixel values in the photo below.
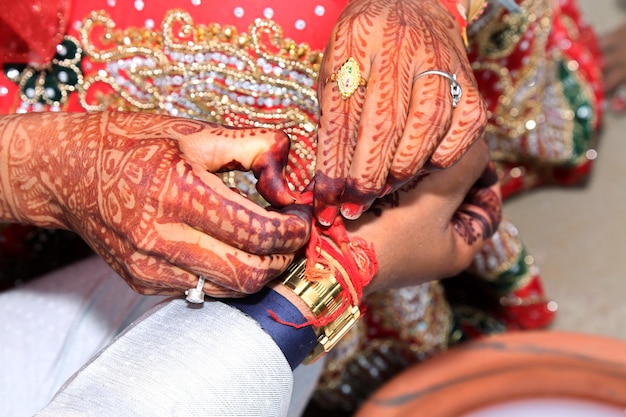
[{"x": 262, "y": 151}]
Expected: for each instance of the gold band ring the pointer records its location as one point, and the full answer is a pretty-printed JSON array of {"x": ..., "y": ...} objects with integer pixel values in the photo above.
[{"x": 348, "y": 78}]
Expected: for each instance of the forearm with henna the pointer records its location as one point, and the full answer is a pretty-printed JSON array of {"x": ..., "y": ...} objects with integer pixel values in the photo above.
[
  {"x": 27, "y": 168},
  {"x": 120, "y": 180}
]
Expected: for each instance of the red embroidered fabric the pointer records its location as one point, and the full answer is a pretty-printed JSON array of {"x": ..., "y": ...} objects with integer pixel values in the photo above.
[
  {"x": 311, "y": 24},
  {"x": 31, "y": 30}
]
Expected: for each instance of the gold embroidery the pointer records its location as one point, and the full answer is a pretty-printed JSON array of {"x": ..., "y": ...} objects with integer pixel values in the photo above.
[
  {"x": 502, "y": 34},
  {"x": 532, "y": 118},
  {"x": 404, "y": 326},
  {"x": 209, "y": 72},
  {"x": 501, "y": 255}
]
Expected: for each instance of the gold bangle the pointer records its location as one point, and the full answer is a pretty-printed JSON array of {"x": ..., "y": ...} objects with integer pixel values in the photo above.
[{"x": 323, "y": 297}]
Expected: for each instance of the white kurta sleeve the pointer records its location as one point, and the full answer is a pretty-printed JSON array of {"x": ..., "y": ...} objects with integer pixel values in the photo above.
[{"x": 213, "y": 361}]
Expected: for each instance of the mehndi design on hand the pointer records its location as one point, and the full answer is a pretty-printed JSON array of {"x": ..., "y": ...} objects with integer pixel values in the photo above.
[
  {"x": 380, "y": 138},
  {"x": 139, "y": 189}
]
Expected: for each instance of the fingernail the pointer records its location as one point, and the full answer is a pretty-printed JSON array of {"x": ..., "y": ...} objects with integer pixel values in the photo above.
[
  {"x": 327, "y": 216},
  {"x": 351, "y": 211}
]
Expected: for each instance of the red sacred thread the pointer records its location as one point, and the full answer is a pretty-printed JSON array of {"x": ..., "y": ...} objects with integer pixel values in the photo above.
[{"x": 356, "y": 256}]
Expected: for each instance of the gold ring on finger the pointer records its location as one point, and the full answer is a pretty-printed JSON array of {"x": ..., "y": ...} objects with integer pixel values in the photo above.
[{"x": 348, "y": 78}]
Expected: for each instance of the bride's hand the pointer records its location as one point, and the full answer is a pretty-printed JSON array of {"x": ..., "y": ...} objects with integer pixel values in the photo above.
[{"x": 377, "y": 137}]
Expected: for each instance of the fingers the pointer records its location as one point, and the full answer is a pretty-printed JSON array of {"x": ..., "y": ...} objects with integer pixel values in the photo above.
[
  {"x": 193, "y": 224},
  {"x": 336, "y": 142},
  {"x": 391, "y": 149},
  {"x": 157, "y": 213},
  {"x": 478, "y": 217},
  {"x": 376, "y": 140},
  {"x": 203, "y": 202},
  {"x": 451, "y": 129},
  {"x": 262, "y": 151},
  {"x": 378, "y": 145},
  {"x": 468, "y": 122},
  {"x": 194, "y": 195},
  {"x": 205, "y": 228},
  {"x": 429, "y": 118},
  {"x": 228, "y": 271},
  {"x": 380, "y": 126}
]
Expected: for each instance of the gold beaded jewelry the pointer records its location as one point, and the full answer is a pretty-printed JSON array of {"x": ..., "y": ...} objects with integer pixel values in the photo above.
[
  {"x": 475, "y": 9},
  {"x": 210, "y": 72}
]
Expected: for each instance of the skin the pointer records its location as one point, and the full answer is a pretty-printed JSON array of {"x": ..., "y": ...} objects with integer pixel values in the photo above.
[
  {"x": 141, "y": 190},
  {"x": 400, "y": 125},
  {"x": 444, "y": 219},
  {"x": 614, "y": 55}
]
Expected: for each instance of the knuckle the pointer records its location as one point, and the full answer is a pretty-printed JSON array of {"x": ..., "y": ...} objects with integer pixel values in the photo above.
[
  {"x": 445, "y": 161},
  {"x": 401, "y": 174},
  {"x": 327, "y": 189},
  {"x": 362, "y": 192}
]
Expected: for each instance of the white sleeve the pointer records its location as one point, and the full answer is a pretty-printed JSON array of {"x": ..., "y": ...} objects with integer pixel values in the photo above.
[{"x": 213, "y": 361}]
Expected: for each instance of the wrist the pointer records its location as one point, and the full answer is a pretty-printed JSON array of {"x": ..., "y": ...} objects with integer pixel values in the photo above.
[
  {"x": 27, "y": 148},
  {"x": 305, "y": 317},
  {"x": 291, "y": 297},
  {"x": 324, "y": 302}
]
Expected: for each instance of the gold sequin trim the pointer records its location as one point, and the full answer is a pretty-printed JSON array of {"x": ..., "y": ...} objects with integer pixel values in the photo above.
[
  {"x": 522, "y": 129},
  {"x": 209, "y": 72}
]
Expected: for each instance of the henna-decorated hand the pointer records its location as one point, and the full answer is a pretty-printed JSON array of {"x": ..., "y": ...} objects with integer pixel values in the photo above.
[
  {"x": 140, "y": 189},
  {"x": 376, "y": 140}
]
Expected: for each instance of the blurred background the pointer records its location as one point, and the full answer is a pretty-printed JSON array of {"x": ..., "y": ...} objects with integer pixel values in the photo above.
[{"x": 578, "y": 236}]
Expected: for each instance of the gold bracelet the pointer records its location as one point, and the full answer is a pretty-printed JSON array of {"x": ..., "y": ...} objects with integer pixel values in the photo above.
[{"x": 323, "y": 297}]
